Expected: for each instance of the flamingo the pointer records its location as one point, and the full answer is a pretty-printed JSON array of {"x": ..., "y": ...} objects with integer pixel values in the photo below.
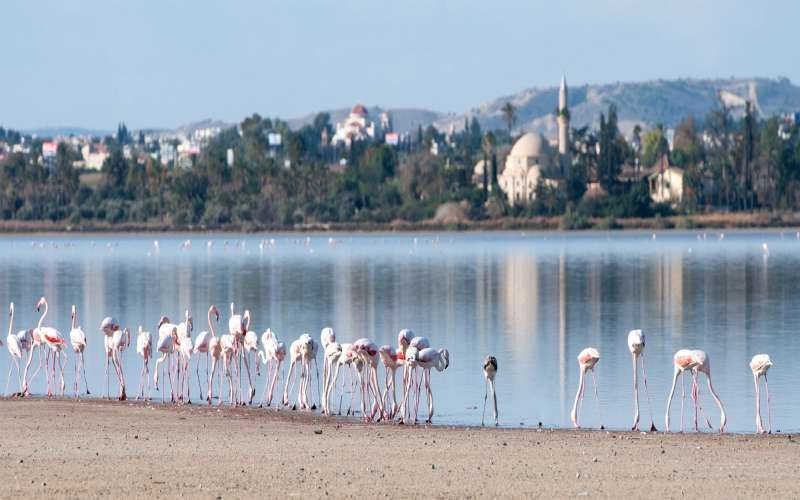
[
  {"x": 430, "y": 358},
  {"x": 36, "y": 345},
  {"x": 404, "y": 338},
  {"x": 331, "y": 355},
  {"x": 119, "y": 342},
  {"x": 55, "y": 341},
  {"x": 636, "y": 343},
  {"x": 237, "y": 327},
  {"x": 300, "y": 352},
  {"x": 228, "y": 346},
  {"x": 17, "y": 343},
  {"x": 696, "y": 361},
  {"x": 587, "y": 359},
  {"x": 251, "y": 346},
  {"x": 185, "y": 349},
  {"x": 326, "y": 336},
  {"x": 347, "y": 358},
  {"x": 108, "y": 326},
  {"x": 390, "y": 361},
  {"x": 414, "y": 346},
  {"x": 167, "y": 338},
  {"x": 144, "y": 347},
  {"x": 368, "y": 352},
  {"x": 489, "y": 372},
  {"x": 78, "y": 340},
  {"x": 272, "y": 356},
  {"x": 203, "y": 345},
  {"x": 759, "y": 365}
]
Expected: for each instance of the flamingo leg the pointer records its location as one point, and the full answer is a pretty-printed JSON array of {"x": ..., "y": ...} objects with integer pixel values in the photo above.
[
  {"x": 286, "y": 388},
  {"x": 494, "y": 400},
  {"x": 77, "y": 373},
  {"x": 105, "y": 385},
  {"x": 635, "y": 396},
  {"x": 647, "y": 395},
  {"x": 427, "y": 375},
  {"x": 61, "y": 368},
  {"x": 83, "y": 369},
  {"x": 578, "y": 398},
  {"x": 769, "y": 406},
  {"x": 8, "y": 380},
  {"x": 759, "y": 424},
  {"x": 597, "y": 399},
  {"x": 722, "y": 417},
  {"x": 25, "y": 376}
]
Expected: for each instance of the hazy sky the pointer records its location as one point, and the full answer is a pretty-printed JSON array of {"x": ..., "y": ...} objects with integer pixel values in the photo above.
[{"x": 93, "y": 63}]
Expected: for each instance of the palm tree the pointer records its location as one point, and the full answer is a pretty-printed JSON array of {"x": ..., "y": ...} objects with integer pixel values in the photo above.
[{"x": 509, "y": 116}]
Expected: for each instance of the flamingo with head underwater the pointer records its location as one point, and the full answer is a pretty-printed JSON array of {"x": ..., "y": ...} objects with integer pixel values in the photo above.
[
  {"x": 636, "y": 344},
  {"x": 78, "y": 340},
  {"x": 760, "y": 365},
  {"x": 587, "y": 360},
  {"x": 696, "y": 362}
]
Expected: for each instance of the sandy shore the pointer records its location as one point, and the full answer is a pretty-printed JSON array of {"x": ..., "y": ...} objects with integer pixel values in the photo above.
[{"x": 90, "y": 449}]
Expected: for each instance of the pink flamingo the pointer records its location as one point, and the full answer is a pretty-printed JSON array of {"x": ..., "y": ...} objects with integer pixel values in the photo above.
[
  {"x": 202, "y": 345},
  {"x": 300, "y": 355},
  {"x": 389, "y": 358},
  {"x": 759, "y": 365},
  {"x": 167, "y": 339},
  {"x": 636, "y": 343},
  {"x": 326, "y": 336},
  {"x": 109, "y": 326},
  {"x": 696, "y": 361},
  {"x": 144, "y": 347},
  {"x": 185, "y": 349},
  {"x": 228, "y": 348},
  {"x": 272, "y": 356},
  {"x": 413, "y": 383},
  {"x": 37, "y": 345},
  {"x": 430, "y": 358},
  {"x": 119, "y": 342},
  {"x": 17, "y": 343},
  {"x": 587, "y": 359},
  {"x": 237, "y": 327},
  {"x": 489, "y": 373},
  {"x": 371, "y": 390},
  {"x": 55, "y": 341},
  {"x": 351, "y": 362},
  {"x": 331, "y": 355},
  {"x": 78, "y": 340},
  {"x": 251, "y": 347}
]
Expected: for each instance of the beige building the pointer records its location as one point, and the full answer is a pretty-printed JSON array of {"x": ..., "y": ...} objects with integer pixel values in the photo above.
[
  {"x": 666, "y": 183},
  {"x": 533, "y": 161}
]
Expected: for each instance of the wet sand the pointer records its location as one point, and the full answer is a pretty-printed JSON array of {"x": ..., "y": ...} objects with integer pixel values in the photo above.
[{"x": 85, "y": 449}]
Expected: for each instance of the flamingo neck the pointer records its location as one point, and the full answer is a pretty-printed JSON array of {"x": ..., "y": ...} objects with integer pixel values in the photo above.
[
  {"x": 74, "y": 318},
  {"x": 11, "y": 322},
  {"x": 41, "y": 320},
  {"x": 211, "y": 325}
]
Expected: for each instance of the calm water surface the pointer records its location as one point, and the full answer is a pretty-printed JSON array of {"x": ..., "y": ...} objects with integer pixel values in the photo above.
[{"x": 533, "y": 300}]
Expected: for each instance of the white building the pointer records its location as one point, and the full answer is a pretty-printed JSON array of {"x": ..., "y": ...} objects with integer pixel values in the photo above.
[
  {"x": 666, "y": 184},
  {"x": 356, "y": 127}
]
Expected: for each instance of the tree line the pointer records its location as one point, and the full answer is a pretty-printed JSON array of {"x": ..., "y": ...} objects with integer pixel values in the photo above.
[{"x": 730, "y": 164}]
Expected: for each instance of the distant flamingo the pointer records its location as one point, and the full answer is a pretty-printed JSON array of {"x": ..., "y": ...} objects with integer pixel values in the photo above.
[
  {"x": 489, "y": 372},
  {"x": 326, "y": 337},
  {"x": 167, "y": 337},
  {"x": 404, "y": 338},
  {"x": 108, "y": 326},
  {"x": 696, "y": 361},
  {"x": 144, "y": 347},
  {"x": 300, "y": 352},
  {"x": 17, "y": 343},
  {"x": 430, "y": 358},
  {"x": 759, "y": 365},
  {"x": 78, "y": 340},
  {"x": 587, "y": 359},
  {"x": 636, "y": 344},
  {"x": 202, "y": 345}
]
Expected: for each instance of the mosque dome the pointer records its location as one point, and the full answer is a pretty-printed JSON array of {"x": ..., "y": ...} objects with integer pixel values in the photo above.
[{"x": 532, "y": 144}]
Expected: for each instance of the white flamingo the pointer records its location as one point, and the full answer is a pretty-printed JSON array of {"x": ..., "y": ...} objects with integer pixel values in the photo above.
[
  {"x": 17, "y": 344},
  {"x": 78, "y": 340},
  {"x": 144, "y": 347},
  {"x": 167, "y": 336}
]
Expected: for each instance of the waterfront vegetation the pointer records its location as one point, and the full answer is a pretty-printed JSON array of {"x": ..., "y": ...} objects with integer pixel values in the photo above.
[{"x": 731, "y": 165}]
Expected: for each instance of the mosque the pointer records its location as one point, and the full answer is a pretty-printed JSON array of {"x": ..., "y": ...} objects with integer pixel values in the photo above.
[{"x": 533, "y": 160}]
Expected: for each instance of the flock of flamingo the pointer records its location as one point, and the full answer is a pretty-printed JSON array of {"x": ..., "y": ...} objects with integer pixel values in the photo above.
[{"x": 357, "y": 362}]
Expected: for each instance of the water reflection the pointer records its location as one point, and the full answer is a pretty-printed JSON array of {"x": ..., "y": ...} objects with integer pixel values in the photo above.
[{"x": 534, "y": 301}]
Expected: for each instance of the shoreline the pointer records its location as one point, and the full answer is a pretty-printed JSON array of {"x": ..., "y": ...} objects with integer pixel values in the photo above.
[
  {"x": 92, "y": 448},
  {"x": 712, "y": 221}
]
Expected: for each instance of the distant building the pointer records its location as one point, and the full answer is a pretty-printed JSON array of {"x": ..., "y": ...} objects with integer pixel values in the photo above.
[
  {"x": 356, "y": 127},
  {"x": 230, "y": 157},
  {"x": 666, "y": 183},
  {"x": 94, "y": 155},
  {"x": 532, "y": 161}
]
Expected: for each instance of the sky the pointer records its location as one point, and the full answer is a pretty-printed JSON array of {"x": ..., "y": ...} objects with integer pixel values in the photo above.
[{"x": 163, "y": 63}]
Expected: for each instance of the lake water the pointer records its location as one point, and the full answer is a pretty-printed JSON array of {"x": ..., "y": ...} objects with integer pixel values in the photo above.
[{"x": 533, "y": 300}]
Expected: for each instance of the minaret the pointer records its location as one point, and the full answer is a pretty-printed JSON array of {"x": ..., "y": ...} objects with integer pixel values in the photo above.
[{"x": 563, "y": 121}]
